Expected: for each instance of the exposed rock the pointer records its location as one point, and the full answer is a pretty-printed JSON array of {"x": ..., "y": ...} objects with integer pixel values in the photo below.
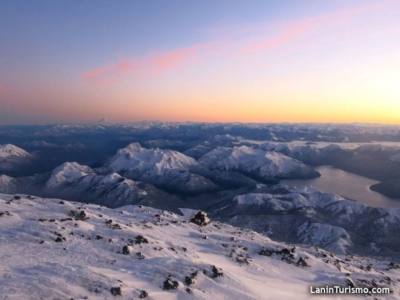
[
  {"x": 143, "y": 294},
  {"x": 5, "y": 213},
  {"x": 125, "y": 250},
  {"x": 189, "y": 280},
  {"x": 170, "y": 284},
  {"x": 79, "y": 216},
  {"x": 216, "y": 272},
  {"x": 393, "y": 265},
  {"x": 116, "y": 291},
  {"x": 302, "y": 262},
  {"x": 350, "y": 282},
  {"x": 266, "y": 252},
  {"x": 200, "y": 218},
  {"x": 242, "y": 259},
  {"x": 58, "y": 240},
  {"x": 140, "y": 239}
]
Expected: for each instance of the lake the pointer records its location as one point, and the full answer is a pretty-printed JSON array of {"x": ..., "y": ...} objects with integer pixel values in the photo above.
[{"x": 346, "y": 184}]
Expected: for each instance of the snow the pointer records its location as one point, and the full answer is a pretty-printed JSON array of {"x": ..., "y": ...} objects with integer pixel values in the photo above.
[
  {"x": 263, "y": 163},
  {"x": 252, "y": 199},
  {"x": 165, "y": 168},
  {"x": 79, "y": 182},
  {"x": 68, "y": 172},
  {"x": 8, "y": 150},
  {"x": 275, "y": 203},
  {"x": 89, "y": 262},
  {"x": 311, "y": 217},
  {"x": 111, "y": 178},
  {"x": 329, "y": 237},
  {"x": 12, "y": 157},
  {"x": 144, "y": 160}
]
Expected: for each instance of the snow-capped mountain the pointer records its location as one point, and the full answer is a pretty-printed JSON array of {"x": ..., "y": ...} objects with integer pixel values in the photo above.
[
  {"x": 141, "y": 160},
  {"x": 12, "y": 156},
  {"x": 264, "y": 165},
  {"x": 74, "y": 181},
  {"x": 166, "y": 168},
  {"x": 219, "y": 140},
  {"x": 53, "y": 249},
  {"x": 67, "y": 173},
  {"x": 309, "y": 153},
  {"x": 11, "y": 151},
  {"x": 320, "y": 219}
]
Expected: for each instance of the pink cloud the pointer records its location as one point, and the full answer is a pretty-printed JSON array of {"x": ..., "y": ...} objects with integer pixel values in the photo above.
[
  {"x": 154, "y": 63},
  {"x": 109, "y": 72},
  {"x": 172, "y": 59},
  {"x": 169, "y": 60},
  {"x": 287, "y": 34}
]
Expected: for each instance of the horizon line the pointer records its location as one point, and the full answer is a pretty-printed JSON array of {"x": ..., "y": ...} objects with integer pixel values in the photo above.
[{"x": 110, "y": 123}]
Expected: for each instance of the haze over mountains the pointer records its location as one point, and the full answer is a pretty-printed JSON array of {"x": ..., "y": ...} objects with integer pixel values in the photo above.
[{"x": 231, "y": 171}]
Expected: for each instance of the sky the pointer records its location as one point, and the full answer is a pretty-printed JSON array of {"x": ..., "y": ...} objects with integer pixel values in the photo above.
[{"x": 82, "y": 61}]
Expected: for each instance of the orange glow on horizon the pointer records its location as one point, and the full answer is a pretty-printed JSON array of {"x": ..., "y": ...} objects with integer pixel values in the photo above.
[{"x": 329, "y": 67}]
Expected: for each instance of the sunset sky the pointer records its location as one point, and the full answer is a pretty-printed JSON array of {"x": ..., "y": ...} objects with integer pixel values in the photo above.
[{"x": 214, "y": 61}]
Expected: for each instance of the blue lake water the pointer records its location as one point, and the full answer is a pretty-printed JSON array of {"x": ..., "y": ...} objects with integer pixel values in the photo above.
[{"x": 346, "y": 184}]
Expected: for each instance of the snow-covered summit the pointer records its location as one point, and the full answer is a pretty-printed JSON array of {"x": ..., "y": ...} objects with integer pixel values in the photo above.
[
  {"x": 9, "y": 150},
  {"x": 66, "y": 173},
  {"x": 78, "y": 182},
  {"x": 12, "y": 157},
  {"x": 52, "y": 249},
  {"x": 157, "y": 161},
  {"x": 257, "y": 162},
  {"x": 166, "y": 168}
]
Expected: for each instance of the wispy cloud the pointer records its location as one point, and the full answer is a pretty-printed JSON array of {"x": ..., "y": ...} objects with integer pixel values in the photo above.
[
  {"x": 260, "y": 41},
  {"x": 148, "y": 64},
  {"x": 172, "y": 59},
  {"x": 287, "y": 33},
  {"x": 109, "y": 72}
]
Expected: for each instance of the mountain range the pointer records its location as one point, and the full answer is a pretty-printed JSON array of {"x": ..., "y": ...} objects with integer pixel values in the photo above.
[{"x": 106, "y": 211}]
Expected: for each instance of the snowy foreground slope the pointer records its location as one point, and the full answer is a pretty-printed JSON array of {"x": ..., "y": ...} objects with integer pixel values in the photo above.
[{"x": 53, "y": 249}]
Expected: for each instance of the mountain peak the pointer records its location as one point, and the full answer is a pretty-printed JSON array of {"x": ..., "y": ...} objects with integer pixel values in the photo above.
[
  {"x": 9, "y": 150},
  {"x": 134, "y": 156},
  {"x": 67, "y": 173},
  {"x": 256, "y": 162}
]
